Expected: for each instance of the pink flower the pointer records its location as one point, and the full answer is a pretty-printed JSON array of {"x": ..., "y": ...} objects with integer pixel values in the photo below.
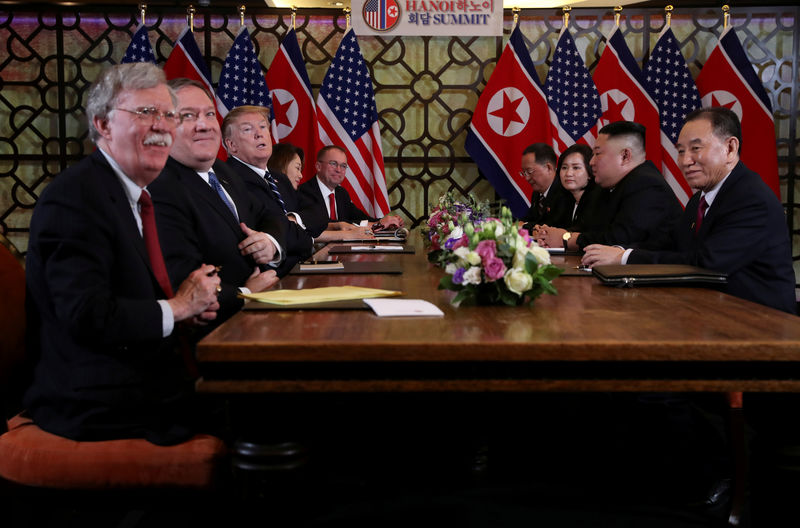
[
  {"x": 435, "y": 242},
  {"x": 461, "y": 242},
  {"x": 525, "y": 235},
  {"x": 494, "y": 269},
  {"x": 435, "y": 218},
  {"x": 486, "y": 249}
]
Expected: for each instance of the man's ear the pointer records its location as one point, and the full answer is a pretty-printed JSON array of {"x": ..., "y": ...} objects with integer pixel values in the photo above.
[
  {"x": 101, "y": 125},
  {"x": 732, "y": 147},
  {"x": 626, "y": 155}
]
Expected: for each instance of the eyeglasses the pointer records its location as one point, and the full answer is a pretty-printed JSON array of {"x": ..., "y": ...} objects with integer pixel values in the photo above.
[
  {"x": 526, "y": 173},
  {"x": 191, "y": 117},
  {"x": 335, "y": 165},
  {"x": 151, "y": 114}
]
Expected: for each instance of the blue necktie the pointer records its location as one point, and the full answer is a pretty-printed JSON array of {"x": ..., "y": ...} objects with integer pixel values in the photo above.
[
  {"x": 212, "y": 179},
  {"x": 274, "y": 187}
]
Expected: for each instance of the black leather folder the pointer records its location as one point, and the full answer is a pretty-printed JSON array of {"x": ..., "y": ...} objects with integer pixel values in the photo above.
[{"x": 628, "y": 276}]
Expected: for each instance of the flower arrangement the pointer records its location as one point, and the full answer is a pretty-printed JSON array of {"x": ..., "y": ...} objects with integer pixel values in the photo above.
[
  {"x": 492, "y": 261},
  {"x": 446, "y": 217}
]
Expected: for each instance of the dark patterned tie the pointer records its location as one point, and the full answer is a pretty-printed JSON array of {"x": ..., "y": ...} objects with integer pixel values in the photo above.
[
  {"x": 150, "y": 235},
  {"x": 274, "y": 187},
  {"x": 214, "y": 182},
  {"x": 701, "y": 213}
]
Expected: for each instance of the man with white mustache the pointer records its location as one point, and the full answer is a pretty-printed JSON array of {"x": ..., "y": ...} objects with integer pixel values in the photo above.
[
  {"x": 205, "y": 212},
  {"x": 102, "y": 312}
]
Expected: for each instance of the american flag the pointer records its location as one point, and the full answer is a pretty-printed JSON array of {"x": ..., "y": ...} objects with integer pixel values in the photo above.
[
  {"x": 347, "y": 117},
  {"x": 667, "y": 79},
  {"x": 572, "y": 95},
  {"x": 241, "y": 81},
  {"x": 139, "y": 50}
]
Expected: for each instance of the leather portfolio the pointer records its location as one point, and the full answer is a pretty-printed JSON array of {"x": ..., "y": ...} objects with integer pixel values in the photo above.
[{"x": 631, "y": 275}]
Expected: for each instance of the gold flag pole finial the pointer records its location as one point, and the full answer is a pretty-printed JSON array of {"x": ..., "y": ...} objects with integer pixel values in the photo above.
[
  {"x": 617, "y": 13},
  {"x": 566, "y": 10},
  {"x": 516, "y": 11},
  {"x": 242, "y": 9},
  {"x": 142, "y": 9},
  {"x": 347, "y": 17},
  {"x": 726, "y": 15},
  {"x": 294, "y": 15},
  {"x": 191, "y": 11},
  {"x": 668, "y": 11}
]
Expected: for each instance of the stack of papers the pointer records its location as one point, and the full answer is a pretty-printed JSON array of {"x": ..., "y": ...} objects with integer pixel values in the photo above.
[
  {"x": 318, "y": 295},
  {"x": 386, "y": 247}
]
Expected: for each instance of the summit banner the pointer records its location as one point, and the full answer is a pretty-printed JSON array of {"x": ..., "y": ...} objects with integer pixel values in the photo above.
[{"x": 483, "y": 18}]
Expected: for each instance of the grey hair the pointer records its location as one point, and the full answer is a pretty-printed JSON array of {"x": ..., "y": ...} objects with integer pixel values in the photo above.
[{"x": 105, "y": 91}]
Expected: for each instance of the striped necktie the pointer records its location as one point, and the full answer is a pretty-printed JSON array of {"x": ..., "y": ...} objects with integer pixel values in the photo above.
[
  {"x": 214, "y": 182},
  {"x": 274, "y": 187}
]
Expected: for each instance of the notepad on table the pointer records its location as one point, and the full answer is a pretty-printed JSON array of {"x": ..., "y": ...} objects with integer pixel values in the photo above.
[
  {"x": 321, "y": 265},
  {"x": 403, "y": 307},
  {"x": 318, "y": 295}
]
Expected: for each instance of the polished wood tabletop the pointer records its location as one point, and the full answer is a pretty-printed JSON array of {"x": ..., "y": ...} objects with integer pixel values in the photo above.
[{"x": 588, "y": 337}]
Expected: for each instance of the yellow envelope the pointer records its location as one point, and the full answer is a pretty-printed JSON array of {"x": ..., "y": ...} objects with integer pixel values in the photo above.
[{"x": 318, "y": 295}]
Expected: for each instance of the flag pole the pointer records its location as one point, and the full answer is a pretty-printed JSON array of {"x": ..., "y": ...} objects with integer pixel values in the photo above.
[
  {"x": 668, "y": 10},
  {"x": 617, "y": 13},
  {"x": 190, "y": 10},
  {"x": 516, "y": 11},
  {"x": 726, "y": 13},
  {"x": 566, "y": 10},
  {"x": 142, "y": 9},
  {"x": 294, "y": 15},
  {"x": 347, "y": 17},
  {"x": 242, "y": 9}
]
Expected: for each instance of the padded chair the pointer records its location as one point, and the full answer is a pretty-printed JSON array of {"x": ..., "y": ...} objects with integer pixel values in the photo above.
[{"x": 32, "y": 457}]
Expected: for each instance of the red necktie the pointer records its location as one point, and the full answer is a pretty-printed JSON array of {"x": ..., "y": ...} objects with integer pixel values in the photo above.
[
  {"x": 150, "y": 235},
  {"x": 332, "y": 202},
  {"x": 701, "y": 213}
]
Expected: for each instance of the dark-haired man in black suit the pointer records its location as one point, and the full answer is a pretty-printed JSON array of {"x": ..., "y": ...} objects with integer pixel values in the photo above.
[
  {"x": 740, "y": 228},
  {"x": 203, "y": 206},
  {"x": 638, "y": 209}
]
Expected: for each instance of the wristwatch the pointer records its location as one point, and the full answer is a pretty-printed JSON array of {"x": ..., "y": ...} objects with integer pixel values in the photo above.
[{"x": 566, "y": 236}]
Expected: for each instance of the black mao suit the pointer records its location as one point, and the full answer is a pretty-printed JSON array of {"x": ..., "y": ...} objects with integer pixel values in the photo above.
[
  {"x": 299, "y": 244},
  {"x": 639, "y": 211},
  {"x": 199, "y": 228},
  {"x": 554, "y": 210},
  {"x": 104, "y": 370},
  {"x": 743, "y": 234}
]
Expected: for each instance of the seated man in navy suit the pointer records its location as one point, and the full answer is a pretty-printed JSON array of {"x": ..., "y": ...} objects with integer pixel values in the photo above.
[
  {"x": 734, "y": 223},
  {"x": 245, "y": 133},
  {"x": 325, "y": 195},
  {"x": 102, "y": 313},
  {"x": 205, "y": 211}
]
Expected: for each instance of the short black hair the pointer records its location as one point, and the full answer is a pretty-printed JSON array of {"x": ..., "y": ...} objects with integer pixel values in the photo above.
[
  {"x": 630, "y": 129},
  {"x": 724, "y": 121},
  {"x": 544, "y": 153}
]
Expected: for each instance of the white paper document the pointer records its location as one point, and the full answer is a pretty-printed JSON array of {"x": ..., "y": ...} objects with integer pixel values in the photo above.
[
  {"x": 377, "y": 248},
  {"x": 403, "y": 307}
]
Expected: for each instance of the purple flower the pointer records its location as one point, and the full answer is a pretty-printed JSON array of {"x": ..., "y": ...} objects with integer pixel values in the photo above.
[
  {"x": 461, "y": 242},
  {"x": 486, "y": 249},
  {"x": 458, "y": 276},
  {"x": 494, "y": 269},
  {"x": 449, "y": 243}
]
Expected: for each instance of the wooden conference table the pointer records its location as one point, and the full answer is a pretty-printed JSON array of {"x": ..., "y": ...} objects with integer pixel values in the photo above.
[{"x": 589, "y": 337}]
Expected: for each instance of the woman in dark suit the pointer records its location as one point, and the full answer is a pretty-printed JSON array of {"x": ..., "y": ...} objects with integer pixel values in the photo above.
[{"x": 577, "y": 179}]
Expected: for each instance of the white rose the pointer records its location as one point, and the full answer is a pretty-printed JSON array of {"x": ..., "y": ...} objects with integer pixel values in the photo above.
[
  {"x": 519, "y": 257},
  {"x": 461, "y": 252},
  {"x": 473, "y": 258},
  {"x": 456, "y": 233},
  {"x": 499, "y": 230},
  {"x": 518, "y": 281},
  {"x": 472, "y": 276},
  {"x": 541, "y": 255},
  {"x": 450, "y": 268}
]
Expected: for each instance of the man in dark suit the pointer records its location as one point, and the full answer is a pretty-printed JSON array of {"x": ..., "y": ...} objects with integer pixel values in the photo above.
[
  {"x": 102, "y": 315},
  {"x": 550, "y": 203},
  {"x": 638, "y": 209},
  {"x": 246, "y": 137},
  {"x": 204, "y": 206},
  {"x": 315, "y": 194},
  {"x": 740, "y": 228}
]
